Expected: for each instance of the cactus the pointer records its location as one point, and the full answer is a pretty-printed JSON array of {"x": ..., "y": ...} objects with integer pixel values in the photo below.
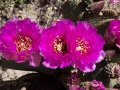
[
  {"x": 93, "y": 12},
  {"x": 112, "y": 70},
  {"x": 109, "y": 56},
  {"x": 84, "y": 11},
  {"x": 117, "y": 86}
]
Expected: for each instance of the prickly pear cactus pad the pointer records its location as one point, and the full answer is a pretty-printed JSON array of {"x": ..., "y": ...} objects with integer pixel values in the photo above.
[
  {"x": 60, "y": 45},
  {"x": 85, "y": 10}
]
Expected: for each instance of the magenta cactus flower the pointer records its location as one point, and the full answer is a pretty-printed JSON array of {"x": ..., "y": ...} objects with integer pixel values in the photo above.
[
  {"x": 112, "y": 34},
  {"x": 96, "y": 85},
  {"x": 54, "y": 44},
  {"x": 87, "y": 46},
  {"x": 114, "y": 27},
  {"x": 20, "y": 41}
]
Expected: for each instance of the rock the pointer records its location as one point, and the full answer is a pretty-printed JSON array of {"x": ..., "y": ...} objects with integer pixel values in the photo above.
[
  {"x": 23, "y": 88},
  {"x": 4, "y": 75},
  {"x": 10, "y": 72},
  {"x": 6, "y": 79}
]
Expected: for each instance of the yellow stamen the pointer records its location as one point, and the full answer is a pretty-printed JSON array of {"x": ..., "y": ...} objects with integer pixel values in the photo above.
[
  {"x": 59, "y": 45},
  {"x": 23, "y": 43},
  {"x": 82, "y": 46}
]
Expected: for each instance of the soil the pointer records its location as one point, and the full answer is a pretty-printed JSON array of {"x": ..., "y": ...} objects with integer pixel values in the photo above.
[{"x": 42, "y": 11}]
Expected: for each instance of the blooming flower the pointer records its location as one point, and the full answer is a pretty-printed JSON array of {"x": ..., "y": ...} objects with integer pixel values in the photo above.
[
  {"x": 112, "y": 34},
  {"x": 86, "y": 46},
  {"x": 19, "y": 41},
  {"x": 96, "y": 85},
  {"x": 54, "y": 44},
  {"x": 114, "y": 27}
]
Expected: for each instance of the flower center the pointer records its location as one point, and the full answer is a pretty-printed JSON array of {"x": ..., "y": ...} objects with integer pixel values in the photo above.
[
  {"x": 82, "y": 46},
  {"x": 59, "y": 45},
  {"x": 23, "y": 43}
]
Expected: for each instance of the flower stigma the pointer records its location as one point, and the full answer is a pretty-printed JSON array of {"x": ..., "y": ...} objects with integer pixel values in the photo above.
[
  {"x": 23, "y": 43},
  {"x": 82, "y": 46}
]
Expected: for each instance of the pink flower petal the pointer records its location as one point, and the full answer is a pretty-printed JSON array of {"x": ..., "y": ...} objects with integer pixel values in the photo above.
[
  {"x": 35, "y": 59},
  {"x": 9, "y": 55},
  {"x": 21, "y": 57}
]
